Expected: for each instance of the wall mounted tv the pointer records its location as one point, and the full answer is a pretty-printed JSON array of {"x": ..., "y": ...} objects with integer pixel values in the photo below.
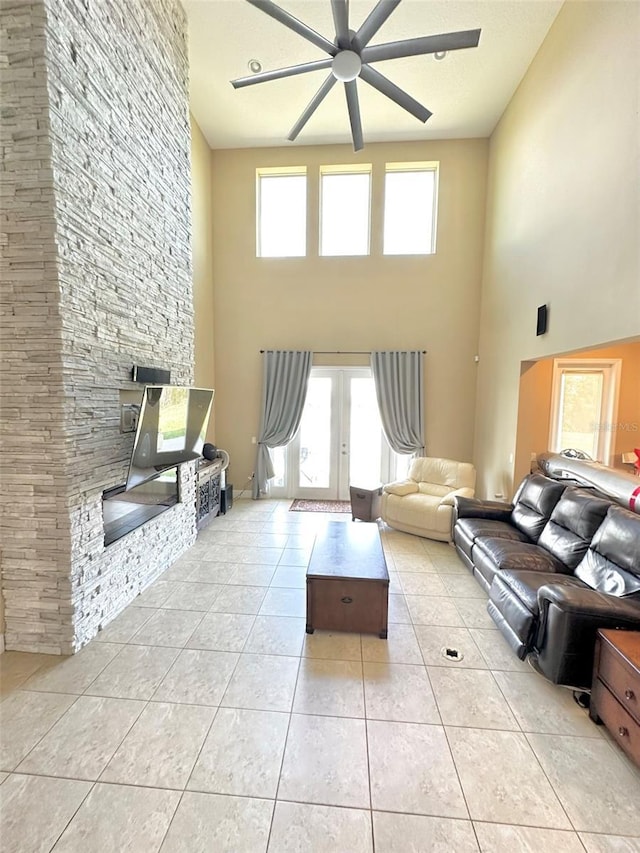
[{"x": 171, "y": 429}]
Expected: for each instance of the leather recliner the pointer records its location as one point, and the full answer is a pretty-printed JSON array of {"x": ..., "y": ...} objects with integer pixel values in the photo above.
[
  {"x": 605, "y": 593},
  {"x": 518, "y": 574},
  {"x": 521, "y": 521},
  {"x": 550, "y": 592},
  {"x": 423, "y": 503}
]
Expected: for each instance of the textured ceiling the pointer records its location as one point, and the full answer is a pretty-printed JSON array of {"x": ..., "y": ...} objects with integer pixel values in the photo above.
[{"x": 466, "y": 92}]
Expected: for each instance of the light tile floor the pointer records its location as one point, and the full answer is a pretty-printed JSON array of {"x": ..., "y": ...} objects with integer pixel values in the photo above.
[{"x": 203, "y": 718}]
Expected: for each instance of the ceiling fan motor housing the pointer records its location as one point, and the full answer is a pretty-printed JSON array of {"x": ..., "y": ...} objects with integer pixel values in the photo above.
[{"x": 346, "y": 65}]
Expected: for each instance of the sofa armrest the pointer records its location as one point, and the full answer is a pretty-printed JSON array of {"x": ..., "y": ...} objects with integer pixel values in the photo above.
[
  {"x": 570, "y": 618},
  {"x": 476, "y": 508},
  {"x": 448, "y": 500},
  {"x": 590, "y": 603},
  {"x": 401, "y": 488}
]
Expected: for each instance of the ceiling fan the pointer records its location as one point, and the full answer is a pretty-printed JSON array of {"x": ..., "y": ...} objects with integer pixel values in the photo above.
[{"x": 350, "y": 57}]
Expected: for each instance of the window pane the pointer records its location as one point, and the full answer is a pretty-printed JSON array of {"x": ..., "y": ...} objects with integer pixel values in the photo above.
[
  {"x": 580, "y": 411},
  {"x": 344, "y": 226},
  {"x": 365, "y": 438},
  {"x": 408, "y": 212},
  {"x": 402, "y": 463},
  {"x": 282, "y": 216},
  {"x": 279, "y": 460},
  {"x": 315, "y": 435}
]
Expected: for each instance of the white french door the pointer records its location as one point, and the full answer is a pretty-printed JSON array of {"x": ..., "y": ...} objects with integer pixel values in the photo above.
[{"x": 340, "y": 440}]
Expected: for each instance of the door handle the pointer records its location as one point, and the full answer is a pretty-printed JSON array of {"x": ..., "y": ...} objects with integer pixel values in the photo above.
[{"x": 347, "y": 599}]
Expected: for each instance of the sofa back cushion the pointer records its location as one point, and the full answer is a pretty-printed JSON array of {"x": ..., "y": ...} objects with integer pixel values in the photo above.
[
  {"x": 572, "y": 526},
  {"x": 534, "y": 502},
  {"x": 612, "y": 562},
  {"x": 443, "y": 472},
  {"x": 433, "y": 489}
]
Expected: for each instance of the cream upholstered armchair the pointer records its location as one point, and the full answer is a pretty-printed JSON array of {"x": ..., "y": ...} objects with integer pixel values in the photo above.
[{"x": 423, "y": 503}]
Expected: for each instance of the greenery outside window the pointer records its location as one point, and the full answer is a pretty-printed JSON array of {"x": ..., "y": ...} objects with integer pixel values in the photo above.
[{"x": 584, "y": 405}]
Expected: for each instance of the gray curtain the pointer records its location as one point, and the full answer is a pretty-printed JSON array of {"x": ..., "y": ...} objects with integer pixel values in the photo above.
[
  {"x": 399, "y": 381},
  {"x": 284, "y": 389}
]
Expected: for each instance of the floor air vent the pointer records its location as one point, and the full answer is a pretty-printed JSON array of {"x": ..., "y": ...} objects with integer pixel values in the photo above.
[{"x": 450, "y": 653}]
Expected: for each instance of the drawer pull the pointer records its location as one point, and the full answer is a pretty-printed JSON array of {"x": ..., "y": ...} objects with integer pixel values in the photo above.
[
  {"x": 346, "y": 600},
  {"x": 629, "y": 694},
  {"x": 623, "y": 731}
]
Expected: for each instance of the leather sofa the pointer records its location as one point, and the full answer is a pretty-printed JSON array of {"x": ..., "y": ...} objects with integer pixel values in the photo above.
[
  {"x": 559, "y": 562},
  {"x": 423, "y": 503}
]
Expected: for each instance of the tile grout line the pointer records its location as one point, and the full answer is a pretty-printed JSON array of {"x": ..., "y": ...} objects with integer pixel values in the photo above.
[
  {"x": 366, "y": 742},
  {"x": 284, "y": 751},
  {"x": 55, "y": 723}
]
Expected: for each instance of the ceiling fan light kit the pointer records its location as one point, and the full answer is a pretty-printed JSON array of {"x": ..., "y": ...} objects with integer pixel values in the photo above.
[{"x": 350, "y": 57}]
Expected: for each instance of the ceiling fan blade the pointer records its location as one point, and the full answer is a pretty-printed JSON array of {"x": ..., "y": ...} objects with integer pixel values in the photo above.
[
  {"x": 313, "y": 105},
  {"x": 279, "y": 73},
  {"x": 341, "y": 22},
  {"x": 374, "y": 21},
  {"x": 353, "y": 106},
  {"x": 294, "y": 24},
  {"x": 420, "y": 46},
  {"x": 384, "y": 85}
]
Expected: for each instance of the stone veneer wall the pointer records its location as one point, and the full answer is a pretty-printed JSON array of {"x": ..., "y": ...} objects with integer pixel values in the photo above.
[
  {"x": 35, "y": 528},
  {"x": 107, "y": 285}
]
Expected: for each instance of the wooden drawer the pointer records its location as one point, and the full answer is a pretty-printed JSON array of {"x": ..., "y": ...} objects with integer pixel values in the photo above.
[
  {"x": 621, "y": 678},
  {"x": 340, "y": 604},
  {"x": 624, "y": 729}
]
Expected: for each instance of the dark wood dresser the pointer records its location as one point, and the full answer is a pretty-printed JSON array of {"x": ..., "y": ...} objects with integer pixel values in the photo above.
[{"x": 615, "y": 692}]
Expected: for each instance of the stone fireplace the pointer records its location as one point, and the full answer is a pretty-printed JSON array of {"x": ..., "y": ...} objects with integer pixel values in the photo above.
[{"x": 96, "y": 210}]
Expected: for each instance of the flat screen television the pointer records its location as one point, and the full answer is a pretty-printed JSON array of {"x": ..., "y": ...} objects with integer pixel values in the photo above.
[{"x": 171, "y": 429}]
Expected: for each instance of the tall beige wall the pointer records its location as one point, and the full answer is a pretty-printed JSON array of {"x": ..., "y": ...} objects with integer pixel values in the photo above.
[
  {"x": 562, "y": 215},
  {"x": 361, "y": 303},
  {"x": 202, "y": 247}
]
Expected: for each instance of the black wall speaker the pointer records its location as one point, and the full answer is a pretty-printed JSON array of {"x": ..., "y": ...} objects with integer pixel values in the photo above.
[
  {"x": 541, "y": 328},
  {"x": 151, "y": 375}
]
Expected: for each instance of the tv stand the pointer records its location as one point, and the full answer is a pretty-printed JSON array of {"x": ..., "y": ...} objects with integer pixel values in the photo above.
[
  {"x": 208, "y": 475},
  {"x": 124, "y": 511}
]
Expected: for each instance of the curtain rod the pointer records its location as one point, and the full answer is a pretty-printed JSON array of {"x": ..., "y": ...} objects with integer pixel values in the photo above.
[{"x": 342, "y": 352}]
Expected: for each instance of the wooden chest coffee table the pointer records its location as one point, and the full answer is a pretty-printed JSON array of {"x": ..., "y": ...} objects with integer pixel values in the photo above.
[{"x": 347, "y": 580}]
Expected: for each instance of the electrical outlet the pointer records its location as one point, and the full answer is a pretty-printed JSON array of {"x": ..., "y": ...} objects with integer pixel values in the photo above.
[{"x": 129, "y": 417}]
